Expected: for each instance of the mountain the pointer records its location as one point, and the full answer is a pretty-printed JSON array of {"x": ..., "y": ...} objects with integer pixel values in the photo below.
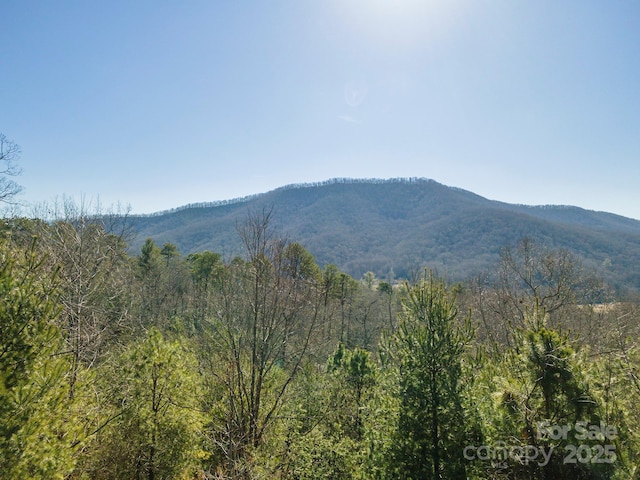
[{"x": 400, "y": 225}]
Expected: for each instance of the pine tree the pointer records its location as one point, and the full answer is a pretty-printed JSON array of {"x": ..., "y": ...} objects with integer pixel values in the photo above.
[
  {"x": 37, "y": 430},
  {"x": 156, "y": 432},
  {"x": 428, "y": 348}
]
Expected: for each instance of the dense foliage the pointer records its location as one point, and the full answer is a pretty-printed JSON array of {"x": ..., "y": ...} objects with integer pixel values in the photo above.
[{"x": 164, "y": 365}]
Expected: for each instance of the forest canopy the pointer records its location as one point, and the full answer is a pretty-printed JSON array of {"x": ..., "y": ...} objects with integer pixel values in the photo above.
[{"x": 158, "y": 364}]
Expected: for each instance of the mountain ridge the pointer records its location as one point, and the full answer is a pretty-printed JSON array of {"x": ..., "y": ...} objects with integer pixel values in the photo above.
[
  {"x": 346, "y": 180},
  {"x": 392, "y": 225}
]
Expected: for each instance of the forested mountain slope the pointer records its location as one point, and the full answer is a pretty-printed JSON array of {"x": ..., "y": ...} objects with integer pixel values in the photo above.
[{"x": 397, "y": 225}]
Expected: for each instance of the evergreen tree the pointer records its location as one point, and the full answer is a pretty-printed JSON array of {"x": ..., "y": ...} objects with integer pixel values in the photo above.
[
  {"x": 428, "y": 347},
  {"x": 37, "y": 434},
  {"x": 543, "y": 389},
  {"x": 355, "y": 373},
  {"x": 156, "y": 432}
]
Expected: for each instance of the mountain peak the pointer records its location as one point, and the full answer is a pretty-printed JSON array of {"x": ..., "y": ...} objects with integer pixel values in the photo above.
[{"x": 384, "y": 225}]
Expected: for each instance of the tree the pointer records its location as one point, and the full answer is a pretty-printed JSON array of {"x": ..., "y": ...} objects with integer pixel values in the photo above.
[
  {"x": 163, "y": 278},
  {"x": 206, "y": 269},
  {"x": 38, "y": 432},
  {"x": 618, "y": 378},
  {"x": 95, "y": 280},
  {"x": 149, "y": 273},
  {"x": 369, "y": 279},
  {"x": 551, "y": 279},
  {"x": 387, "y": 290},
  {"x": 428, "y": 349},
  {"x": 9, "y": 156},
  {"x": 542, "y": 383},
  {"x": 533, "y": 276},
  {"x": 355, "y": 371},
  {"x": 258, "y": 337},
  {"x": 156, "y": 433},
  {"x": 341, "y": 287}
]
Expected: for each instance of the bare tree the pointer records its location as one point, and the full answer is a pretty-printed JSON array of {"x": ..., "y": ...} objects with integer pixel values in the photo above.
[
  {"x": 90, "y": 250},
  {"x": 532, "y": 276},
  {"x": 9, "y": 156},
  {"x": 260, "y": 330}
]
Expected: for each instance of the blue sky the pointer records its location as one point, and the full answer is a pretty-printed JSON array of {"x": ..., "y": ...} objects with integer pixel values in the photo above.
[{"x": 158, "y": 104}]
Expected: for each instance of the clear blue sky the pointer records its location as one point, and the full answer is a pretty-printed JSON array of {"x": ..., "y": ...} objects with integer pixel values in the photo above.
[{"x": 157, "y": 104}]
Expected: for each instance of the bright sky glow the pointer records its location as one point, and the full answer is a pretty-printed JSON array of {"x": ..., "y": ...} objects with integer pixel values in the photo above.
[{"x": 160, "y": 104}]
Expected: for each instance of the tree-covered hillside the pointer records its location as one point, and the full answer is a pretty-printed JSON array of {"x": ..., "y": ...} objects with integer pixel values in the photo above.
[{"x": 391, "y": 226}]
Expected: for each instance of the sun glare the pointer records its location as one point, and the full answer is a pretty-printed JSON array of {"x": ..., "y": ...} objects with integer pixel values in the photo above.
[{"x": 400, "y": 23}]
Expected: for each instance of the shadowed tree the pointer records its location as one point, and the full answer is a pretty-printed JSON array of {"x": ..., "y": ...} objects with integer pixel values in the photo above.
[{"x": 206, "y": 269}]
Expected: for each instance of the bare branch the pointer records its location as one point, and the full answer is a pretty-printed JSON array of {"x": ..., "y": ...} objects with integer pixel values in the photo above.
[{"x": 9, "y": 156}]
